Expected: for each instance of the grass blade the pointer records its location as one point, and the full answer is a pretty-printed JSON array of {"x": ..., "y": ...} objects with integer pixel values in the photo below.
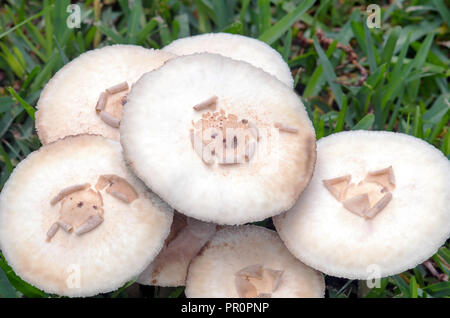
[
  {"x": 279, "y": 28},
  {"x": 263, "y": 15},
  {"x": 389, "y": 47},
  {"x": 370, "y": 49},
  {"x": 37, "y": 15},
  {"x": 413, "y": 287},
  {"x": 6, "y": 290},
  {"x": 329, "y": 74},
  {"x": 7, "y": 161},
  {"x": 365, "y": 123},
  {"x": 28, "y": 108}
]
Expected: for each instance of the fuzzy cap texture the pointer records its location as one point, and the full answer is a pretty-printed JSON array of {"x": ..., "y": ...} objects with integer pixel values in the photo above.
[
  {"x": 237, "y": 47},
  {"x": 101, "y": 260},
  {"x": 212, "y": 272},
  {"x": 155, "y": 135},
  {"x": 67, "y": 103},
  {"x": 415, "y": 223}
]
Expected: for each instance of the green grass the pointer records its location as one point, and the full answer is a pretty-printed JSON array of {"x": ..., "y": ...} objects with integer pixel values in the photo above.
[{"x": 406, "y": 90}]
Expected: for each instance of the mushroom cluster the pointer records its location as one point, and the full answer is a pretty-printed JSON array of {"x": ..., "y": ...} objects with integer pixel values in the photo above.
[{"x": 212, "y": 137}]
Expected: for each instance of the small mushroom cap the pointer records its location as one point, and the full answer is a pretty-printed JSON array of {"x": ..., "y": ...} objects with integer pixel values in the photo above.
[
  {"x": 322, "y": 233},
  {"x": 238, "y": 47},
  {"x": 67, "y": 103},
  {"x": 234, "y": 249},
  {"x": 101, "y": 260},
  {"x": 157, "y": 144},
  {"x": 187, "y": 237}
]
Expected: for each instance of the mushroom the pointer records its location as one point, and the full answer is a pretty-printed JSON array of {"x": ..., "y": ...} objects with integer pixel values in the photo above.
[
  {"x": 377, "y": 205},
  {"x": 187, "y": 237},
  {"x": 226, "y": 163},
  {"x": 87, "y": 94},
  {"x": 65, "y": 236},
  {"x": 237, "y": 47},
  {"x": 248, "y": 262}
]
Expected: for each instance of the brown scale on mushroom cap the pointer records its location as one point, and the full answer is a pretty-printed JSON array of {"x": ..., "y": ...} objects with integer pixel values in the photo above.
[
  {"x": 223, "y": 136},
  {"x": 81, "y": 208},
  {"x": 367, "y": 198},
  {"x": 110, "y": 104},
  {"x": 117, "y": 186},
  {"x": 256, "y": 281}
]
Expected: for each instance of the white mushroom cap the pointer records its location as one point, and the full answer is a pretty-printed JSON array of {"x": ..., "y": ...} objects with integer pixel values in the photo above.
[
  {"x": 159, "y": 119},
  {"x": 249, "y": 253},
  {"x": 187, "y": 237},
  {"x": 67, "y": 103},
  {"x": 70, "y": 264},
  {"x": 237, "y": 47},
  {"x": 324, "y": 234}
]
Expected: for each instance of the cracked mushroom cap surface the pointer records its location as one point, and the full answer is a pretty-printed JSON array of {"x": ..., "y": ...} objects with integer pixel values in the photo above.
[
  {"x": 202, "y": 133},
  {"x": 67, "y": 231},
  {"x": 187, "y": 237},
  {"x": 250, "y": 261},
  {"x": 237, "y": 47},
  {"x": 67, "y": 105},
  {"x": 377, "y": 205}
]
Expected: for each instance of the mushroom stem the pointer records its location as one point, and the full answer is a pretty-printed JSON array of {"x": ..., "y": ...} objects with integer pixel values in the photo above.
[
  {"x": 109, "y": 119},
  {"x": 206, "y": 104},
  {"x": 89, "y": 225},
  {"x": 66, "y": 191},
  {"x": 287, "y": 128},
  {"x": 117, "y": 88}
]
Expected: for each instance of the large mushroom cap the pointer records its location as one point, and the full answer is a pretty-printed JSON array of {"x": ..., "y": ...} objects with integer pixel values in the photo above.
[
  {"x": 67, "y": 105},
  {"x": 166, "y": 139},
  {"x": 237, "y": 47},
  {"x": 250, "y": 261},
  {"x": 187, "y": 237},
  {"x": 378, "y": 204},
  {"x": 75, "y": 221}
]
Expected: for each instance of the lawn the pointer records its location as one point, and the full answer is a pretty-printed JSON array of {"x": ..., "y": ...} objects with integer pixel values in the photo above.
[{"x": 349, "y": 76}]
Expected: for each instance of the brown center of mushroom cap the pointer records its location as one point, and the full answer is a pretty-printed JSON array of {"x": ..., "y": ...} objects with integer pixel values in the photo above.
[
  {"x": 110, "y": 104},
  {"x": 367, "y": 198},
  {"x": 256, "y": 281},
  {"x": 224, "y": 137},
  {"x": 81, "y": 207}
]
